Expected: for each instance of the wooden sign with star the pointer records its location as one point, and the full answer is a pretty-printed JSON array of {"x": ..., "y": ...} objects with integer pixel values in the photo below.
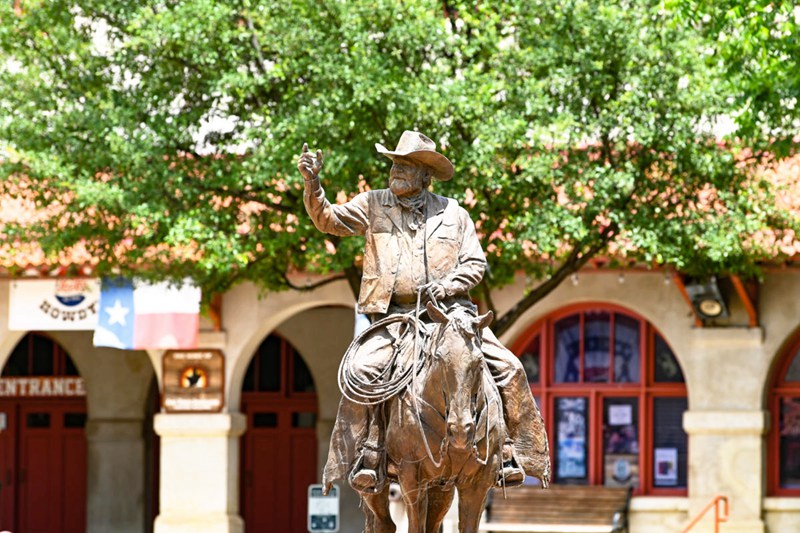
[{"x": 194, "y": 381}]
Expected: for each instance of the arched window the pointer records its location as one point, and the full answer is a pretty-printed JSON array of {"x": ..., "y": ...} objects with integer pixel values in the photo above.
[
  {"x": 277, "y": 367},
  {"x": 784, "y": 436},
  {"x": 38, "y": 355},
  {"x": 612, "y": 395}
]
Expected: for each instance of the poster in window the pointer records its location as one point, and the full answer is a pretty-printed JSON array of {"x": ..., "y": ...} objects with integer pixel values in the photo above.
[
  {"x": 621, "y": 470},
  {"x": 571, "y": 447},
  {"x": 666, "y": 467},
  {"x": 620, "y": 414}
]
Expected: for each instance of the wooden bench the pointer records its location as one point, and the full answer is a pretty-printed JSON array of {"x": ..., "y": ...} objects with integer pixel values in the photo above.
[{"x": 559, "y": 509}]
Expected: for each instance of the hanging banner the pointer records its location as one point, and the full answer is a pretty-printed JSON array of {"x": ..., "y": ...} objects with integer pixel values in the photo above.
[{"x": 53, "y": 304}]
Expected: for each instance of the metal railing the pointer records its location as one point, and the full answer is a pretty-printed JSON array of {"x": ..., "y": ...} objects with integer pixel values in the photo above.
[{"x": 721, "y": 510}]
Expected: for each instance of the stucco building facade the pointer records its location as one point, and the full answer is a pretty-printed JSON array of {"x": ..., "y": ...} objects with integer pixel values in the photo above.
[{"x": 247, "y": 467}]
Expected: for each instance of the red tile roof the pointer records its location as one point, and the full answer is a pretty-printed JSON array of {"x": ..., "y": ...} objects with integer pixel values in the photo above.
[{"x": 17, "y": 205}]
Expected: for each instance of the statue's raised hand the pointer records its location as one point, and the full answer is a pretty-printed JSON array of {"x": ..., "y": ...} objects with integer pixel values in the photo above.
[{"x": 308, "y": 164}]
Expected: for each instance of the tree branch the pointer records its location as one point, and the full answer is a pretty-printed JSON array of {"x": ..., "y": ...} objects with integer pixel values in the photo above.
[
  {"x": 572, "y": 264},
  {"x": 262, "y": 65}
]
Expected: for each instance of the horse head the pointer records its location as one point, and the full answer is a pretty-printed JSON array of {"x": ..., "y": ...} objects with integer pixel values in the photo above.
[{"x": 457, "y": 349}]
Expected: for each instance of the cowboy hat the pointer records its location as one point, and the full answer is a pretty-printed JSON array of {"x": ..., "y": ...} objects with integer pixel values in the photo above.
[{"x": 416, "y": 147}]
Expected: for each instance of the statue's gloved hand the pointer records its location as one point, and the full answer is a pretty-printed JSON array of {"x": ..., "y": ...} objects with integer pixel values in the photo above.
[
  {"x": 434, "y": 291},
  {"x": 308, "y": 164}
]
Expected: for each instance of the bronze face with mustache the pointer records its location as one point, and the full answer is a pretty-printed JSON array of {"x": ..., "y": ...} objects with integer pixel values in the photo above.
[{"x": 408, "y": 179}]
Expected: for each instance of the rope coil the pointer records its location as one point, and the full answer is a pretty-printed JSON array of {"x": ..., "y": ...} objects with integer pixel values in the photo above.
[{"x": 393, "y": 379}]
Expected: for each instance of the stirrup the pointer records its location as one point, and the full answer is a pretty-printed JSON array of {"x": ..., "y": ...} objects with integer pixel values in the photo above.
[
  {"x": 511, "y": 475},
  {"x": 365, "y": 479}
]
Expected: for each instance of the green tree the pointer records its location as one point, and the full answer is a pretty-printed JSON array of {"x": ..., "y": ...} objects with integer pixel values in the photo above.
[
  {"x": 163, "y": 135},
  {"x": 756, "y": 45}
]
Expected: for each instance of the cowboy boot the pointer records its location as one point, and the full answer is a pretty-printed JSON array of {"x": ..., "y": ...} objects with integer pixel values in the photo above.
[
  {"x": 512, "y": 475},
  {"x": 369, "y": 474}
]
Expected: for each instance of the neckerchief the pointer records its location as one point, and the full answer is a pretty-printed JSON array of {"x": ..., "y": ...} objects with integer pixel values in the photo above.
[{"x": 415, "y": 207}]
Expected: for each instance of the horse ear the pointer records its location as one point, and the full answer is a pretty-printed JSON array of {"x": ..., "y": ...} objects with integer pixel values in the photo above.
[
  {"x": 484, "y": 320},
  {"x": 436, "y": 314}
]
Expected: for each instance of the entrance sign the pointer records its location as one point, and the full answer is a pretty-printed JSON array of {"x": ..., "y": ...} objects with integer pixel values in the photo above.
[
  {"x": 194, "y": 381},
  {"x": 53, "y": 304},
  {"x": 323, "y": 511},
  {"x": 42, "y": 386}
]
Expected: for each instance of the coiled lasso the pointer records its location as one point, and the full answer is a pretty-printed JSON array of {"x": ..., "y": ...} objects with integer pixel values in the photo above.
[{"x": 390, "y": 381}]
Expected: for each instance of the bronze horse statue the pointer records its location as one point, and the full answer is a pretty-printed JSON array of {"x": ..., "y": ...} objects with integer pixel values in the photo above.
[{"x": 444, "y": 431}]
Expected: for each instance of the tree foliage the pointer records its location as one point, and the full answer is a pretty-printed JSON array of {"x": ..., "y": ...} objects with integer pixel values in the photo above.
[
  {"x": 167, "y": 132},
  {"x": 756, "y": 44}
]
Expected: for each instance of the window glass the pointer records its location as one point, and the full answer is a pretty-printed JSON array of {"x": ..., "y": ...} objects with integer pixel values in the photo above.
[
  {"x": 17, "y": 364},
  {"x": 669, "y": 443},
  {"x": 530, "y": 360},
  {"x": 42, "y": 356},
  {"x": 249, "y": 384},
  {"x": 269, "y": 368},
  {"x": 38, "y": 420},
  {"x": 74, "y": 420},
  {"x": 303, "y": 382},
  {"x": 627, "y": 358},
  {"x": 69, "y": 367},
  {"x": 621, "y": 442},
  {"x": 265, "y": 420},
  {"x": 667, "y": 369},
  {"x": 568, "y": 349},
  {"x": 571, "y": 436},
  {"x": 789, "y": 435},
  {"x": 304, "y": 420},
  {"x": 793, "y": 373},
  {"x": 596, "y": 342}
]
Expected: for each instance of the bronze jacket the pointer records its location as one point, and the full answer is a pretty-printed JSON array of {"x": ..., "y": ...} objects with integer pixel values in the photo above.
[{"x": 454, "y": 254}]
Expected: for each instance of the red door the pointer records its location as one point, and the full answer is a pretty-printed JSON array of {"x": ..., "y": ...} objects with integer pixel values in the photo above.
[
  {"x": 44, "y": 466},
  {"x": 279, "y": 449},
  {"x": 8, "y": 462}
]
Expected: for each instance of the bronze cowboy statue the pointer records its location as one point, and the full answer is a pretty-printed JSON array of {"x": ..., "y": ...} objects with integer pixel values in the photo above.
[{"x": 421, "y": 258}]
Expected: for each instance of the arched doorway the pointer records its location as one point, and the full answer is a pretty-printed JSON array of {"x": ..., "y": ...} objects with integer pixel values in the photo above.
[
  {"x": 784, "y": 435},
  {"x": 43, "y": 442},
  {"x": 279, "y": 449},
  {"x": 612, "y": 395}
]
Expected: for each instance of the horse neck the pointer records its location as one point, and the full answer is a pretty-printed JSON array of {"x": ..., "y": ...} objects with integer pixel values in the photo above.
[{"x": 444, "y": 370}]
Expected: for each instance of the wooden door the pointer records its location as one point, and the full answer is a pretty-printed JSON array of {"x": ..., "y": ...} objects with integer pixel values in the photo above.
[
  {"x": 279, "y": 463},
  {"x": 279, "y": 449},
  {"x": 8, "y": 468},
  {"x": 50, "y": 488}
]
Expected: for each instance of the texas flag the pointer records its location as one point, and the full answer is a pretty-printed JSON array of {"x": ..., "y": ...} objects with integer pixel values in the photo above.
[{"x": 135, "y": 315}]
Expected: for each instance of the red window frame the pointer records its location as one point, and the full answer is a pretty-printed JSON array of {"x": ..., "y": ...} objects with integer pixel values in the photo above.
[
  {"x": 645, "y": 391},
  {"x": 779, "y": 389}
]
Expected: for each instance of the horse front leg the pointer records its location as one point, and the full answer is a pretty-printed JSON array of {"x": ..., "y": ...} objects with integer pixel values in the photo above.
[
  {"x": 376, "y": 512},
  {"x": 471, "y": 502},
  {"x": 439, "y": 502},
  {"x": 415, "y": 497}
]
